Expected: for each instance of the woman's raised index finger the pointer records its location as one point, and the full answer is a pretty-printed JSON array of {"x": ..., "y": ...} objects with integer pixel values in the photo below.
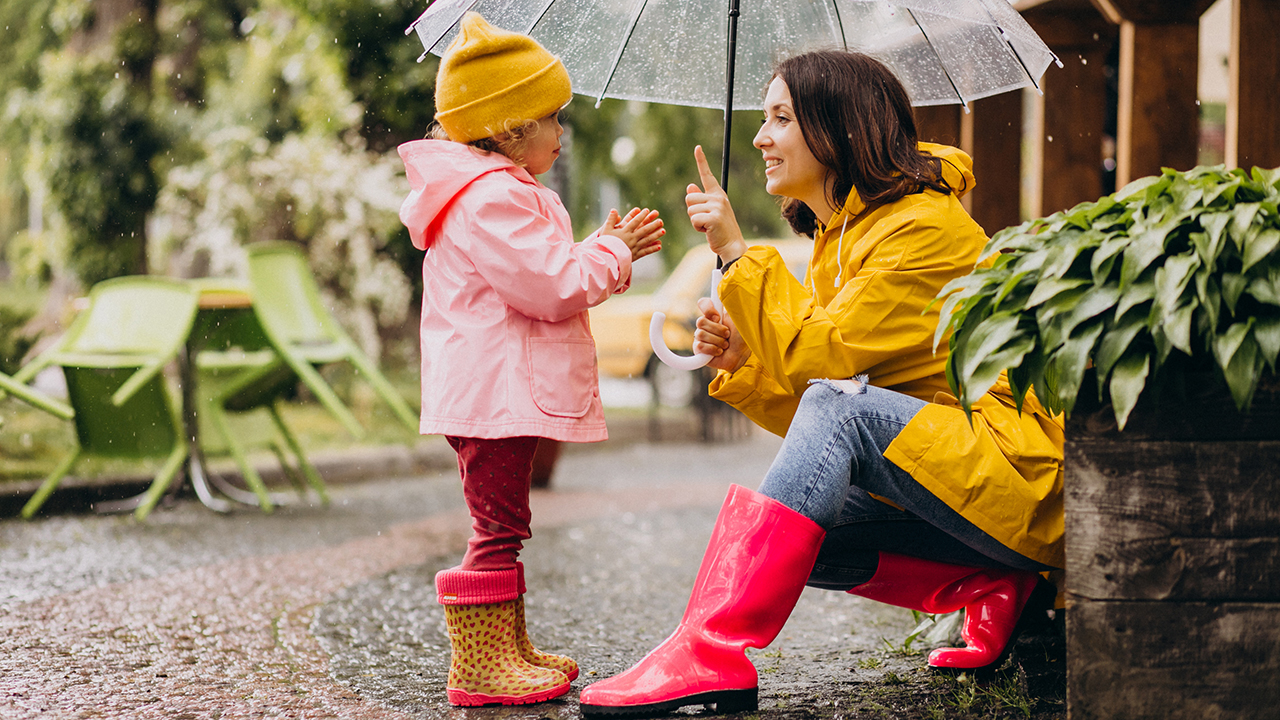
[{"x": 709, "y": 181}]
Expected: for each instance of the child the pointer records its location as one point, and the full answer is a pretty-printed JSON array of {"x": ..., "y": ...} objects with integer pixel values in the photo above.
[{"x": 507, "y": 353}]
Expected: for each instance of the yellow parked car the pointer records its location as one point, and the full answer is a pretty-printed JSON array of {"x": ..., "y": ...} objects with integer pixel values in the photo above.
[{"x": 621, "y": 324}]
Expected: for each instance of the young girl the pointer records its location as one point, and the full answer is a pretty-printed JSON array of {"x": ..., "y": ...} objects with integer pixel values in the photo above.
[{"x": 507, "y": 353}]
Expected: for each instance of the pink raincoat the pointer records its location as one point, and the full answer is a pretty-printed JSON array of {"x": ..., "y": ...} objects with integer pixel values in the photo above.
[{"x": 506, "y": 345}]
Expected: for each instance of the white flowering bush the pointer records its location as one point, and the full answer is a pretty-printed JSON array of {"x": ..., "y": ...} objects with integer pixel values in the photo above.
[
  {"x": 273, "y": 155},
  {"x": 330, "y": 195}
]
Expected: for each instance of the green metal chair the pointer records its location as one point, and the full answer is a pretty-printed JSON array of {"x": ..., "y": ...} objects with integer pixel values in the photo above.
[
  {"x": 112, "y": 357},
  {"x": 34, "y": 397},
  {"x": 238, "y": 373},
  {"x": 287, "y": 301}
]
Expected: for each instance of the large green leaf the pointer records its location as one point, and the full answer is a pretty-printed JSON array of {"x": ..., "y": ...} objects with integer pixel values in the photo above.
[
  {"x": 1140, "y": 253},
  {"x": 1071, "y": 360},
  {"x": 1243, "y": 371},
  {"x": 1260, "y": 246},
  {"x": 1214, "y": 224},
  {"x": 1177, "y": 326},
  {"x": 1172, "y": 279},
  {"x": 1226, "y": 345},
  {"x": 1127, "y": 381},
  {"x": 1267, "y": 332},
  {"x": 1115, "y": 341},
  {"x": 1104, "y": 257},
  {"x": 1135, "y": 295},
  {"x": 987, "y": 338},
  {"x": 986, "y": 372},
  {"x": 1264, "y": 289},
  {"x": 1050, "y": 287},
  {"x": 1233, "y": 285},
  {"x": 1137, "y": 187},
  {"x": 1267, "y": 177}
]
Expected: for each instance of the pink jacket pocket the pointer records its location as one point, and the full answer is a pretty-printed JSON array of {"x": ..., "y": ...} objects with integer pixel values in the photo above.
[{"x": 562, "y": 375}]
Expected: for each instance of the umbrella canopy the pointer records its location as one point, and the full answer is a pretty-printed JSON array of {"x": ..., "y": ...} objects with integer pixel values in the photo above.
[{"x": 673, "y": 51}]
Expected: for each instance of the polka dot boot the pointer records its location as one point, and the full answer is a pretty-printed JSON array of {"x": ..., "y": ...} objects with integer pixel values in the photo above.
[
  {"x": 534, "y": 656},
  {"x": 486, "y": 667}
]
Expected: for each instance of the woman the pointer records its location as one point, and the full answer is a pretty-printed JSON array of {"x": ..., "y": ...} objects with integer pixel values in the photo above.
[{"x": 882, "y": 488}]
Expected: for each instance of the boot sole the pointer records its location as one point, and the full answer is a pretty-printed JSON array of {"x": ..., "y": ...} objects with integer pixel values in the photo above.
[
  {"x": 725, "y": 702},
  {"x": 463, "y": 698}
]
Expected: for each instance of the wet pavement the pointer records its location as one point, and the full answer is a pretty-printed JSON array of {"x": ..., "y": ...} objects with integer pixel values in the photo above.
[{"x": 330, "y": 612}]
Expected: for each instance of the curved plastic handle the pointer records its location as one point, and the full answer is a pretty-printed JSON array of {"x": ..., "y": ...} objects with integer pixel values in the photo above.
[{"x": 682, "y": 362}]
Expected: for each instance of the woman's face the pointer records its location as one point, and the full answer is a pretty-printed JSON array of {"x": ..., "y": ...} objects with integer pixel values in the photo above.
[
  {"x": 544, "y": 145},
  {"x": 790, "y": 168}
]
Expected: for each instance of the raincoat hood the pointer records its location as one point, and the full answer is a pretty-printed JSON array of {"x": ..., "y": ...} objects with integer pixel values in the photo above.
[
  {"x": 957, "y": 172},
  {"x": 439, "y": 171}
]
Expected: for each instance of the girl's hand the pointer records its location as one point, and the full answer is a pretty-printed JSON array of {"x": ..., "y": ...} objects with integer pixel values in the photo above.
[
  {"x": 711, "y": 213},
  {"x": 641, "y": 230},
  {"x": 717, "y": 337}
]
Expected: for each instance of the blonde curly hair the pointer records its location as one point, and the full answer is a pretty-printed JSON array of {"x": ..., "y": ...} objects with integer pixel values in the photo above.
[{"x": 513, "y": 146}]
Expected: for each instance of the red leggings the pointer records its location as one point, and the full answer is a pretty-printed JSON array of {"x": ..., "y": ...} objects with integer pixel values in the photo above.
[{"x": 495, "y": 483}]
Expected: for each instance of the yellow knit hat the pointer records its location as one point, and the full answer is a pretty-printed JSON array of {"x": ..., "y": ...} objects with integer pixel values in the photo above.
[{"x": 491, "y": 80}]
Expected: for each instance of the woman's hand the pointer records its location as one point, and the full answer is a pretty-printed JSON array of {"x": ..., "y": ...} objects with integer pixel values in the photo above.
[
  {"x": 717, "y": 337},
  {"x": 711, "y": 213}
]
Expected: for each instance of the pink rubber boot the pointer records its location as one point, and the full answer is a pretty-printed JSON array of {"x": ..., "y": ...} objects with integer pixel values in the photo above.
[
  {"x": 760, "y": 555},
  {"x": 993, "y": 601}
]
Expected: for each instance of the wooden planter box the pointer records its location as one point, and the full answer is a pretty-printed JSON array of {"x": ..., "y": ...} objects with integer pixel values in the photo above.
[{"x": 1173, "y": 560}]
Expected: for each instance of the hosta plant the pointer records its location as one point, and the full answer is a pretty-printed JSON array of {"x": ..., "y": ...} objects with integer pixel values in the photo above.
[{"x": 1174, "y": 273}]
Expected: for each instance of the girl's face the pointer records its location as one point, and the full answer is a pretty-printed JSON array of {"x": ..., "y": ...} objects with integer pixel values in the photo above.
[
  {"x": 543, "y": 145},
  {"x": 790, "y": 168}
]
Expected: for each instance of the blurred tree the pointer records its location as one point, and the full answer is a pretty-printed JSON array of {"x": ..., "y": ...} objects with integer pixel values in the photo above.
[{"x": 90, "y": 136}]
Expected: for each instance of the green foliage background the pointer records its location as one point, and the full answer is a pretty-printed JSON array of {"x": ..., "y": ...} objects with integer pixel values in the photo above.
[{"x": 163, "y": 135}]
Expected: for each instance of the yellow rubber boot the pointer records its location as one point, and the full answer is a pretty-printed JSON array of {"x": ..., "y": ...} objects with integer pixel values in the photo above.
[
  {"x": 533, "y": 655},
  {"x": 485, "y": 666}
]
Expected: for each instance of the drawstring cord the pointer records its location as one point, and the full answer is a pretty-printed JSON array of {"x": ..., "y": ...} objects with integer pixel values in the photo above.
[{"x": 840, "y": 252}]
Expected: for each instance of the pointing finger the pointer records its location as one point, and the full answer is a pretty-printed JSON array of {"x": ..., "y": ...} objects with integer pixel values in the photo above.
[{"x": 709, "y": 182}]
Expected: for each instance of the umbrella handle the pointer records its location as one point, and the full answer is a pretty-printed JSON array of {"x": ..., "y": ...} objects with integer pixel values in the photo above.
[{"x": 659, "y": 344}]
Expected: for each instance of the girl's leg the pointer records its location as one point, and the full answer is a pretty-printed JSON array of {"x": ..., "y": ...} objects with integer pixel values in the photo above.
[
  {"x": 484, "y": 609},
  {"x": 495, "y": 484}
]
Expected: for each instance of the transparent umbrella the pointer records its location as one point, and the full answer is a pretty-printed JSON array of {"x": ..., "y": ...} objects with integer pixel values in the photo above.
[
  {"x": 706, "y": 53},
  {"x": 670, "y": 51}
]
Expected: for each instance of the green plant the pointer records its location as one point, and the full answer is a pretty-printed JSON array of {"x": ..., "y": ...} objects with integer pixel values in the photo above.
[{"x": 1174, "y": 272}]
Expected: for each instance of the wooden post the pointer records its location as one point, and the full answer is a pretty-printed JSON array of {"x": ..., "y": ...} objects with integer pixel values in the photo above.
[
  {"x": 942, "y": 124},
  {"x": 992, "y": 135},
  {"x": 1075, "y": 101},
  {"x": 939, "y": 124},
  {"x": 1158, "y": 120},
  {"x": 1254, "y": 105}
]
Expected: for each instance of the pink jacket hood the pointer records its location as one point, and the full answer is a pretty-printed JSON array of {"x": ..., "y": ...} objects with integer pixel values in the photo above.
[{"x": 439, "y": 171}]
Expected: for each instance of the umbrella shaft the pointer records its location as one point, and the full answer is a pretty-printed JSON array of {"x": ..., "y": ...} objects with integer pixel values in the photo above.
[{"x": 731, "y": 54}]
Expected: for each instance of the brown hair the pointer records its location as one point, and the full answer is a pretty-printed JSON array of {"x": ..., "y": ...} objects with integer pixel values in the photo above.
[
  {"x": 857, "y": 120},
  {"x": 517, "y": 141}
]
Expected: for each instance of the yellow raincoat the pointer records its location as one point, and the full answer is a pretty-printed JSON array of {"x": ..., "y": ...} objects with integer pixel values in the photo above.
[{"x": 861, "y": 310}]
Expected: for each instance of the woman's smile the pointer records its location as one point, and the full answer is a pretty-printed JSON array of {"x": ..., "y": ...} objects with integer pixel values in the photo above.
[{"x": 790, "y": 168}]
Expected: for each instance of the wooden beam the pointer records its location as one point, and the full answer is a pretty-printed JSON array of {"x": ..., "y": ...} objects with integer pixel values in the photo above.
[
  {"x": 1158, "y": 120},
  {"x": 992, "y": 135},
  {"x": 1158, "y": 12},
  {"x": 1172, "y": 661},
  {"x": 1253, "y": 108}
]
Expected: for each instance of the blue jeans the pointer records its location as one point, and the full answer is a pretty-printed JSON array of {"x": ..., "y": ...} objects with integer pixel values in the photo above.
[{"x": 830, "y": 464}]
